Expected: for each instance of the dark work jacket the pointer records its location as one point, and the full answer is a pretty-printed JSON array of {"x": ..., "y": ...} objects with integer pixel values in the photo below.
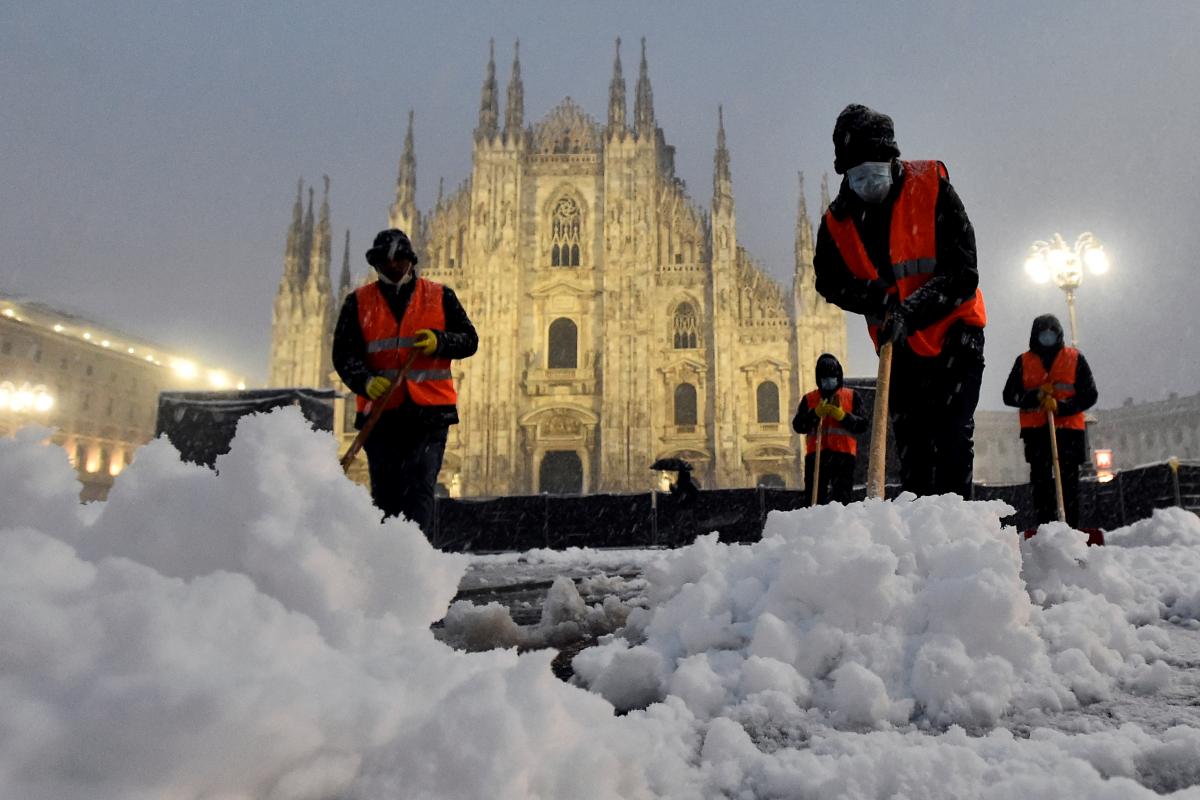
[
  {"x": 459, "y": 340},
  {"x": 954, "y": 280},
  {"x": 806, "y": 418},
  {"x": 1037, "y": 443}
]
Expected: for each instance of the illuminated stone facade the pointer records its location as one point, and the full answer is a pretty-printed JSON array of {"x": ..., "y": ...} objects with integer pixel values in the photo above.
[
  {"x": 619, "y": 321},
  {"x": 98, "y": 388}
]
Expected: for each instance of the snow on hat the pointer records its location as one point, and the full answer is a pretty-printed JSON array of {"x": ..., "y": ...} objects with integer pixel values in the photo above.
[{"x": 861, "y": 134}]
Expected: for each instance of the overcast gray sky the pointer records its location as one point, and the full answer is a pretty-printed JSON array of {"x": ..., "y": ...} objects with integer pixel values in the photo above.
[{"x": 150, "y": 150}]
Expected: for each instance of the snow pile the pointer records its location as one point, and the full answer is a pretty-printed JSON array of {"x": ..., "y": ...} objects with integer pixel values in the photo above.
[
  {"x": 258, "y": 633},
  {"x": 1149, "y": 568},
  {"x": 876, "y": 614}
]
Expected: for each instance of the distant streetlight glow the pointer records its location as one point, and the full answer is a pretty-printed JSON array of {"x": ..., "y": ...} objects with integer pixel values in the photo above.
[
  {"x": 25, "y": 398},
  {"x": 1055, "y": 260},
  {"x": 218, "y": 379},
  {"x": 185, "y": 369}
]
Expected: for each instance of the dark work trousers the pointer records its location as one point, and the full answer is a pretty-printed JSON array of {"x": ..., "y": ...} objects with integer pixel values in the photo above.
[
  {"x": 404, "y": 458},
  {"x": 932, "y": 408},
  {"x": 837, "y": 477},
  {"x": 1045, "y": 504}
]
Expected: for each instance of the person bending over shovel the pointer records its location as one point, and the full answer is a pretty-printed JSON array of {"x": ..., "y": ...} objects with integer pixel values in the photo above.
[
  {"x": 897, "y": 247},
  {"x": 1050, "y": 379},
  {"x": 393, "y": 344}
]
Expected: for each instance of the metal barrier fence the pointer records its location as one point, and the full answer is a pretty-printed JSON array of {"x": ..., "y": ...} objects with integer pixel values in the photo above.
[{"x": 648, "y": 520}]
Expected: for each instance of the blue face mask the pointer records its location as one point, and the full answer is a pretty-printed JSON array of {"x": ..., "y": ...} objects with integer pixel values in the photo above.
[
  {"x": 827, "y": 384},
  {"x": 1048, "y": 338},
  {"x": 871, "y": 180}
]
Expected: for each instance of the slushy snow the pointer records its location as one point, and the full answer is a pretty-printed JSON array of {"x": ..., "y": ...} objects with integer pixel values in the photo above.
[{"x": 255, "y": 632}]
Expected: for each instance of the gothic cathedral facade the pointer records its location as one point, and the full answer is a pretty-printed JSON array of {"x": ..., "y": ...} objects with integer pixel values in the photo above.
[{"x": 618, "y": 321}]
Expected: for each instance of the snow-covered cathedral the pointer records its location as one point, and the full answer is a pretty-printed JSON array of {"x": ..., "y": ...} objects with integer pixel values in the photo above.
[{"x": 619, "y": 322}]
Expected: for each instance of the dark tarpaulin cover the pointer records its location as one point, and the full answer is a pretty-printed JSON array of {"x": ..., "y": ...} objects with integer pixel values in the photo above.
[{"x": 201, "y": 424}]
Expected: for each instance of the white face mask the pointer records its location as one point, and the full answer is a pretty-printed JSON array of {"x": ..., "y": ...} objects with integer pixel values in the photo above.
[
  {"x": 827, "y": 384},
  {"x": 1048, "y": 338},
  {"x": 871, "y": 180}
]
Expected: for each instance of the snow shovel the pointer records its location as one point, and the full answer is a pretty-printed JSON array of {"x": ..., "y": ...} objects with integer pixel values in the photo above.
[
  {"x": 377, "y": 408},
  {"x": 1058, "y": 494},
  {"x": 877, "y": 465},
  {"x": 817, "y": 460}
]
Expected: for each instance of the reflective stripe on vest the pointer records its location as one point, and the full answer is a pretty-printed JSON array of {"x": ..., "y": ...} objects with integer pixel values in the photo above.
[
  {"x": 389, "y": 344},
  {"x": 834, "y": 437},
  {"x": 1062, "y": 376},
  {"x": 912, "y": 243}
]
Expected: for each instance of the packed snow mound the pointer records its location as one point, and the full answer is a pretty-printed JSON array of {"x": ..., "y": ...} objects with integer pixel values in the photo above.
[
  {"x": 874, "y": 614},
  {"x": 1167, "y": 526},
  {"x": 257, "y": 632}
]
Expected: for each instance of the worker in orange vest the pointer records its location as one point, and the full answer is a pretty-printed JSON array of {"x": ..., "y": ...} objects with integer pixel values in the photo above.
[
  {"x": 381, "y": 326},
  {"x": 1052, "y": 377},
  {"x": 838, "y": 410},
  {"x": 896, "y": 246}
]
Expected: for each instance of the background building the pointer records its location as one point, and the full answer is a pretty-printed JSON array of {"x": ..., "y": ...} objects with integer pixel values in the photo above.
[
  {"x": 1137, "y": 433},
  {"x": 98, "y": 388},
  {"x": 619, "y": 321}
]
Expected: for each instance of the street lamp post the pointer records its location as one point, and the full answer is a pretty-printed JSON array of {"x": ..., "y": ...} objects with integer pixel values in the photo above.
[{"x": 1055, "y": 260}]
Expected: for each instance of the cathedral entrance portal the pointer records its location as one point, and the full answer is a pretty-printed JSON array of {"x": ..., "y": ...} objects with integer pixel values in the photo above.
[{"x": 561, "y": 473}]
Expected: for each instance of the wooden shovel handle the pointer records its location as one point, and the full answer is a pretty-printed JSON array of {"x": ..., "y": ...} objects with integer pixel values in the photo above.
[{"x": 377, "y": 408}]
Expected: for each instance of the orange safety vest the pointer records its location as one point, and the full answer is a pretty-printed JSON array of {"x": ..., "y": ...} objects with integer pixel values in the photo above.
[
  {"x": 389, "y": 345},
  {"x": 833, "y": 436},
  {"x": 1062, "y": 376},
  {"x": 913, "y": 251}
]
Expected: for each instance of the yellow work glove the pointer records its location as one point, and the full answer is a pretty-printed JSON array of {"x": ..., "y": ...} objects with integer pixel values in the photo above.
[
  {"x": 1046, "y": 398},
  {"x": 377, "y": 387},
  {"x": 426, "y": 341},
  {"x": 826, "y": 409}
]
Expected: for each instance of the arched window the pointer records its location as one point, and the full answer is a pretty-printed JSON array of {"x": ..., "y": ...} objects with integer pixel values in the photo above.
[
  {"x": 564, "y": 233},
  {"x": 563, "y": 352},
  {"x": 685, "y": 327},
  {"x": 685, "y": 404},
  {"x": 768, "y": 402}
]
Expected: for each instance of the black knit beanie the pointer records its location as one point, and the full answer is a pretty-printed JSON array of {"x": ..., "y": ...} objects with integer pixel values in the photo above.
[{"x": 861, "y": 134}]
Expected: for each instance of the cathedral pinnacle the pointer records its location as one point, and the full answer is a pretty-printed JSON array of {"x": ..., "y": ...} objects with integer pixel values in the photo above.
[
  {"x": 514, "y": 112},
  {"x": 722, "y": 175},
  {"x": 616, "y": 95},
  {"x": 320, "y": 256},
  {"x": 643, "y": 110},
  {"x": 304, "y": 244},
  {"x": 344, "y": 282},
  {"x": 489, "y": 108},
  {"x": 291, "y": 257},
  {"x": 804, "y": 231},
  {"x": 824, "y": 192},
  {"x": 403, "y": 210}
]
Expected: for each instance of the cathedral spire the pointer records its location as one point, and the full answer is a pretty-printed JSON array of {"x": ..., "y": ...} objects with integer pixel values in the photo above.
[
  {"x": 722, "y": 176},
  {"x": 441, "y": 191},
  {"x": 345, "y": 281},
  {"x": 804, "y": 231},
  {"x": 514, "y": 112},
  {"x": 305, "y": 242},
  {"x": 319, "y": 258},
  {"x": 404, "y": 210},
  {"x": 489, "y": 108},
  {"x": 643, "y": 110},
  {"x": 616, "y": 95},
  {"x": 291, "y": 255},
  {"x": 824, "y": 192}
]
